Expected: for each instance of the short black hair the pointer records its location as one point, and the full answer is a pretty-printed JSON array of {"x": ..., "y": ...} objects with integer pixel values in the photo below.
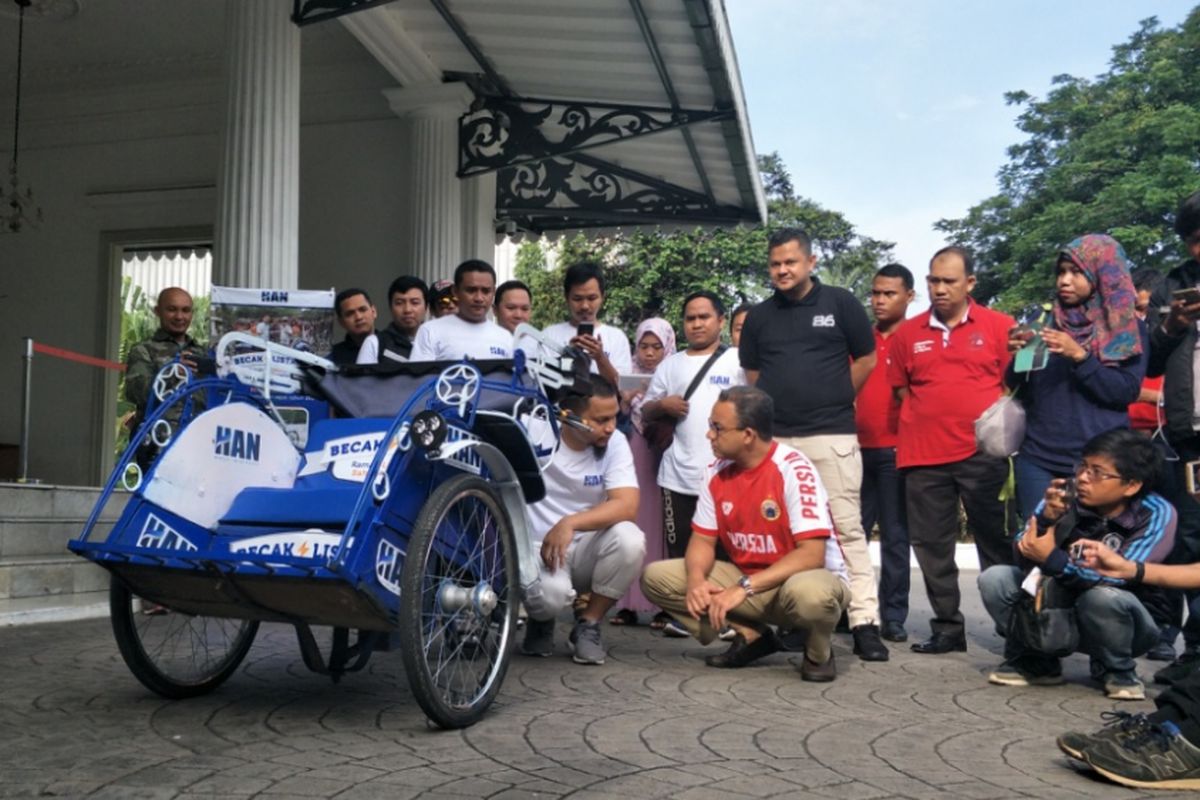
[
  {"x": 1187, "y": 219},
  {"x": 960, "y": 251},
  {"x": 782, "y": 236},
  {"x": 754, "y": 409},
  {"x": 1134, "y": 456},
  {"x": 581, "y": 393},
  {"x": 897, "y": 271},
  {"x": 405, "y": 284},
  {"x": 581, "y": 273},
  {"x": 717, "y": 303},
  {"x": 1147, "y": 279},
  {"x": 346, "y": 294},
  {"x": 473, "y": 265},
  {"x": 744, "y": 308},
  {"x": 509, "y": 286}
]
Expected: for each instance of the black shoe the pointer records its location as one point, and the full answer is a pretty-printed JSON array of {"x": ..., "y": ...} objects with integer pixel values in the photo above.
[
  {"x": 793, "y": 639},
  {"x": 740, "y": 653},
  {"x": 818, "y": 673},
  {"x": 894, "y": 631},
  {"x": 941, "y": 643},
  {"x": 1162, "y": 651},
  {"x": 867, "y": 645}
]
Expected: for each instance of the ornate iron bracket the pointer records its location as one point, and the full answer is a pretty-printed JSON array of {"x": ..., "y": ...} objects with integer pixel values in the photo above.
[
  {"x": 506, "y": 132},
  {"x": 582, "y": 192},
  {"x": 306, "y": 12}
]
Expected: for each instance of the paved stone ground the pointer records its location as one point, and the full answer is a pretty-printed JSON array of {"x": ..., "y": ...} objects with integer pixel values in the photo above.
[{"x": 652, "y": 722}]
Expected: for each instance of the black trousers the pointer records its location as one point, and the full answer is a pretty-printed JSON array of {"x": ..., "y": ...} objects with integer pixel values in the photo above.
[
  {"x": 933, "y": 494},
  {"x": 678, "y": 510},
  {"x": 883, "y": 501},
  {"x": 1181, "y": 704}
]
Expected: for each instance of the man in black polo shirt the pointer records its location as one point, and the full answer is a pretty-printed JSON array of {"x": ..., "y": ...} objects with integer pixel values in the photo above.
[
  {"x": 811, "y": 348},
  {"x": 408, "y": 299}
]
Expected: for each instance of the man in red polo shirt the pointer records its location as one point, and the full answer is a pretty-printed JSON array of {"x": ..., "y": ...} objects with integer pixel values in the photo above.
[
  {"x": 947, "y": 366},
  {"x": 876, "y": 415},
  {"x": 765, "y": 503}
]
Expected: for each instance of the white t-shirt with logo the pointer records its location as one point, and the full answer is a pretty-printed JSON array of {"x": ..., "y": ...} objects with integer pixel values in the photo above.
[
  {"x": 682, "y": 467},
  {"x": 451, "y": 337},
  {"x": 577, "y": 480},
  {"x": 613, "y": 340}
]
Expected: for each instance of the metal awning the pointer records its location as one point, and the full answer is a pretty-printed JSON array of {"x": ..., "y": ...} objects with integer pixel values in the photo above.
[{"x": 592, "y": 113}]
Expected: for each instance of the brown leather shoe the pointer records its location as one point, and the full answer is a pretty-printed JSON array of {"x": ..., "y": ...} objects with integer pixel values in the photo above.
[
  {"x": 818, "y": 673},
  {"x": 740, "y": 653}
]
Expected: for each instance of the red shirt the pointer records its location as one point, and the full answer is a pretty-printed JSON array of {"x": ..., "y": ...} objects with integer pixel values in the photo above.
[
  {"x": 759, "y": 514},
  {"x": 876, "y": 411},
  {"x": 1144, "y": 416},
  {"x": 951, "y": 381}
]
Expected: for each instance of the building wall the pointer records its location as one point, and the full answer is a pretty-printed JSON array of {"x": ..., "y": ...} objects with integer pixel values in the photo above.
[{"x": 100, "y": 182}]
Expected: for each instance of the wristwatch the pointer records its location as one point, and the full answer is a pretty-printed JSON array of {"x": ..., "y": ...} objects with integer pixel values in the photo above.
[{"x": 744, "y": 582}]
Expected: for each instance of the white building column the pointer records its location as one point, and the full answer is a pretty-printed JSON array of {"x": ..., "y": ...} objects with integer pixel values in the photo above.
[
  {"x": 435, "y": 233},
  {"x": 479, "y": 217},
  {"x": 258, "y": 208}
]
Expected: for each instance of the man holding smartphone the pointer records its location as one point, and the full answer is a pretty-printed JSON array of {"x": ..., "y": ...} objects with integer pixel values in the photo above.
[
  {"x": 1175, "y": 354},
  {"x": 607, "y": 346},
  {"x": 1110, "y": 500}
]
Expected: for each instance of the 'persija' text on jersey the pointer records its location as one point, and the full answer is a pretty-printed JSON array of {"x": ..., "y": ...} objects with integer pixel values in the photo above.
[{"x": 760, "y": 514}]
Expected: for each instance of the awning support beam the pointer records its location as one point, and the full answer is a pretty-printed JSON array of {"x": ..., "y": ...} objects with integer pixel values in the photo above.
[
  {"x": 307, "y": 12},
  {"x": 506, "y": 132}
]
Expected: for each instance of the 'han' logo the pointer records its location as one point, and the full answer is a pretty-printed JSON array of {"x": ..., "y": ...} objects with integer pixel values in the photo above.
[
  {"x": 269, "y": 296},
  {"x": 237, "y": 443}
]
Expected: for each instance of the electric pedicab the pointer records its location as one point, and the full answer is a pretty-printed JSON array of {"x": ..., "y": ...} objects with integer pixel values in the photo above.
[{"x": 400, "y": 518}]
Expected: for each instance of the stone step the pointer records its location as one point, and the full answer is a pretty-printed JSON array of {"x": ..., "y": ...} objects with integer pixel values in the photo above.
[
  {"x": 53, "y": 608},
  {"x": 47, "y": 576},
  {"x": 40, "y": 520}
]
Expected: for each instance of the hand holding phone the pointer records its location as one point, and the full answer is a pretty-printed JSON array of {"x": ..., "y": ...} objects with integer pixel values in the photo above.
[{"x": 1189, "y": 295}]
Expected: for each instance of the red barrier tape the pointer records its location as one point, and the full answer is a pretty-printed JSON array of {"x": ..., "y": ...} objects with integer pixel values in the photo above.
[{"x": 71, "y": 355}]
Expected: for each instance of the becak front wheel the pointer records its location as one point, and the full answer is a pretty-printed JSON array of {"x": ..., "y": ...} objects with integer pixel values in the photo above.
[{"x": 458, "y": 602}]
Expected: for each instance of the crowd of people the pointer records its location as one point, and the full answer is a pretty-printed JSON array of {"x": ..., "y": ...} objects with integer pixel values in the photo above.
[{"x": 728, "y": 489}]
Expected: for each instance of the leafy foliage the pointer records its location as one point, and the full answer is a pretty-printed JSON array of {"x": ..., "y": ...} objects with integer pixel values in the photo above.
[
  {"x": 1111, "y": 155},
  {"x": 650, "y": 272}
]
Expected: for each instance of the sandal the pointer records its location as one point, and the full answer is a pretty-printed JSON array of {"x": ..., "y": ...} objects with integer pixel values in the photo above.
[
  {"x": 625, "y": 616},
  {"x": 660, "y": 621}
]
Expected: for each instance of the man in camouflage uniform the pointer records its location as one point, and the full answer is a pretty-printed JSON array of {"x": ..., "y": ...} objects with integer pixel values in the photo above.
[{"x": 174, "y": 312}]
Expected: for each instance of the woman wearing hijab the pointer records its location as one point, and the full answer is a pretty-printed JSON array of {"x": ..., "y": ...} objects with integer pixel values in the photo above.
[
  {"x": 1098, "y": 350},
  {"x": 654, "y": 341}
]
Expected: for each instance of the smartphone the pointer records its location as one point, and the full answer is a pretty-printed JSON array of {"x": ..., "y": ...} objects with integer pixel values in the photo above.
[
  {"x": 1192, "y": 476},
  {"x": 589, "y": 329},
  {"x": 1190, "y": 296}
]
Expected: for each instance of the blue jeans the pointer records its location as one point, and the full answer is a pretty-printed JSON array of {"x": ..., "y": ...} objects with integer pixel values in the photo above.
[
  {"x": 1032, "y": 482},
  {"x": 1114, "y": 626},
  {"x": 882, "y": 501}
]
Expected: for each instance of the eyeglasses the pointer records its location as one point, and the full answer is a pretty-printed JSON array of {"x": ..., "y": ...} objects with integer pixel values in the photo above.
[
  {"x": 1095, "y": 474},
  {"x": 718, "y": 429}
]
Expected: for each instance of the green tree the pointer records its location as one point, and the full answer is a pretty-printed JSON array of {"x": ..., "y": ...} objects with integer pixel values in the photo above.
[
  {"x": 1111, "y": 155},
  {"x": 651, "y": 271}
]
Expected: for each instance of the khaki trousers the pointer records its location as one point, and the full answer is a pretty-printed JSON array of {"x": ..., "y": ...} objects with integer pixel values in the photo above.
[
  {"x": 839, "y": 463},
  {"x": 812, "y": 600}
]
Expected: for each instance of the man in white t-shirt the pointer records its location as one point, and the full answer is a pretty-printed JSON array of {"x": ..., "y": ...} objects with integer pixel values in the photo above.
[
  {"x": 608, "y": 347},
  {"x": 468, "y": 333},
  {"x": 765, "y": 503},
  {"x": 584, "y": 526},
  {"x": 681, "y": 471}
]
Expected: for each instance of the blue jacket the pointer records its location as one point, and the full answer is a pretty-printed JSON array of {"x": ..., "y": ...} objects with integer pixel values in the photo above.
[
  {"x": 1145, "y": 531},
  {"x": 1066, "y": 404}
]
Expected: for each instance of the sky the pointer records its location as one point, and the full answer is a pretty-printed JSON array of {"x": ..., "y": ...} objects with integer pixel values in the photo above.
[{"x": 893, "y": 112}]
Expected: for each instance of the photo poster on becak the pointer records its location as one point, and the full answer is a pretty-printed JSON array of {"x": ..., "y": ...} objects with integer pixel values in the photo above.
[
  {"x": 298, "y": 318},
  {"x": 301, "y": 319}
]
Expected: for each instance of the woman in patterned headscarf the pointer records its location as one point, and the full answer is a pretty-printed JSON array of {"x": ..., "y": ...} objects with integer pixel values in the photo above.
[
  {"x": 654, "y": 341},
  {"x": 1098, "y": 350}
]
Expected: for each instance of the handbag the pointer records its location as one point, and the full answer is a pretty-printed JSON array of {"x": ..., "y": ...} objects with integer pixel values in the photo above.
[
  {"x": 1052, "y": 630},
  {"x": 1000, "y": 429},
  {"x": 661, "y": 432}
]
